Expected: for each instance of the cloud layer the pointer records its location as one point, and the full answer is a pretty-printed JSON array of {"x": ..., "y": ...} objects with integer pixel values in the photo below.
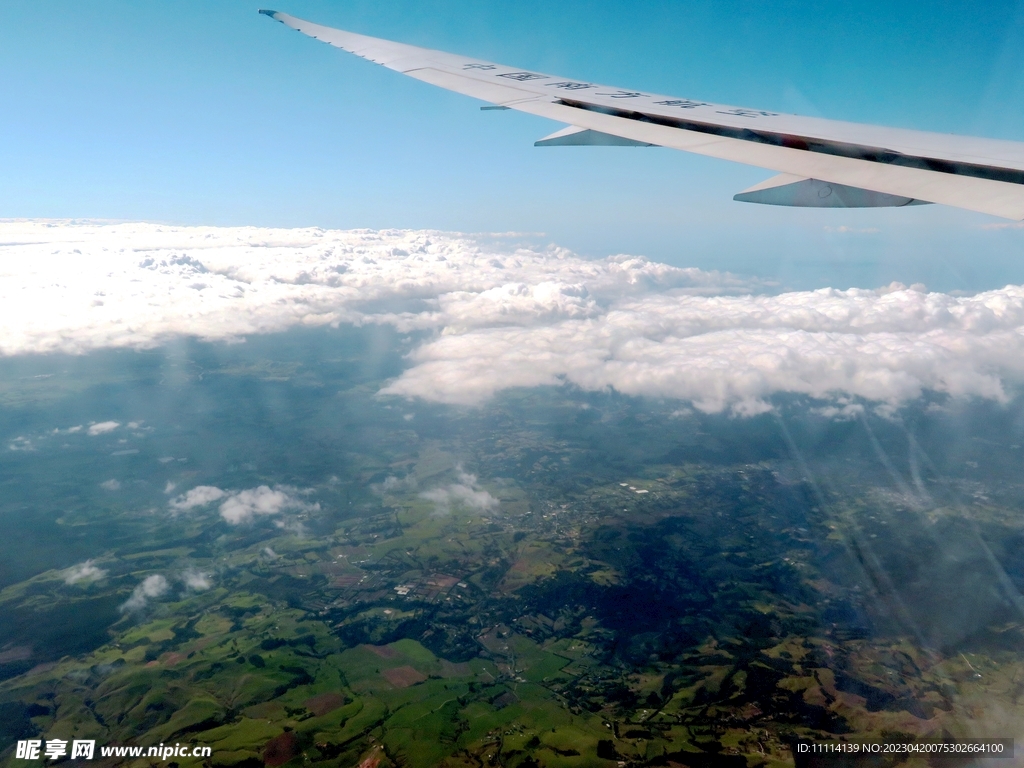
[
  {"x": 734, "y": 351},
  {"x": 503, "y": 318}
]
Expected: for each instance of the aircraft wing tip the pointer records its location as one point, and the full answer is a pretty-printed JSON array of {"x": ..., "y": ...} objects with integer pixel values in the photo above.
[{"x": 271, "y": 14}]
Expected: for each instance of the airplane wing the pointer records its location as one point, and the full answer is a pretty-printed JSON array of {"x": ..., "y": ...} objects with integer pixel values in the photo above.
[{"x": 821, "y": 163}]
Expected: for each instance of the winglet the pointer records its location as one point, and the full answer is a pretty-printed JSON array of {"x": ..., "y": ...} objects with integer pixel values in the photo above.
[{"x": 271, "y": 14}]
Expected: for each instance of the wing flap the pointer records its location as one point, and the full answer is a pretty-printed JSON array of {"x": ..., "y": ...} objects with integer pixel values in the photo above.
[
  {"x": 786, "y": 189},
  {"x": 982, "y": 195},
  {"x": 574, "y": 136}
]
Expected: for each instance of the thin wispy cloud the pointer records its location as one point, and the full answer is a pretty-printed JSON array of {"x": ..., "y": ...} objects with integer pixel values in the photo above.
[
  {"x": 844, "y": 229},
  {"x": 465, "y": 493},
  {"x": 1002, "y": 225},
  {"x": 151, "y": 587}
]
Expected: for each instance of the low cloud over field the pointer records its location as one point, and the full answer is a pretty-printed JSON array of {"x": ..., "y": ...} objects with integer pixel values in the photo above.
[
  {"x": 86, "y": 571},
  {"x": 195, "y": 580},
  {"x": 151, "y": 587},
  {"x": 465, "y": 493},
  {"x": 502, "y": 318},
  {"x": 242, "y": 506}
]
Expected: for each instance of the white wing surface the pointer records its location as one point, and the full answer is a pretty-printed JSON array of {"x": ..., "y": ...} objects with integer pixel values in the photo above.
[{"x": 822, "y": 163}]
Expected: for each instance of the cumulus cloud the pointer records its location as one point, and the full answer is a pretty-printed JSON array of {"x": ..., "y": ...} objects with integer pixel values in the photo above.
[
  {"x": 199, "y": 496},
  {"x": 197, "y": 581},
  {"x": 732, "y": 352},
  {"x": 243, "y": 506},
  {"x": 86, "y": 571},
  {"x": 514, "y": 318},
  {"x": 465, "y": 493},
  {"x": 151, "y": 587},
  {"x": 103, "y": 427},
  {"x": 110, "y": 485},
  {"x": 842, "y": 410}
]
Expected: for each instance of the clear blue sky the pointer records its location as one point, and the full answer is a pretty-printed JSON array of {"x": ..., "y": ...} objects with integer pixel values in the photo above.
[{"x": 205, "y": 112}]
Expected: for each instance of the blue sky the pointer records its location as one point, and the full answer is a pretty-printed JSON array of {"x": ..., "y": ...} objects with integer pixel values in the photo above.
[{"x": 207, "y": 113}]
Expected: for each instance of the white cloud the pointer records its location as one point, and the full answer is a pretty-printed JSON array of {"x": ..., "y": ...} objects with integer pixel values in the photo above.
[
  {"x": 86, "y": 571},
  {"x": 465, "y": 493},
  {"x": 197, "y": 581},
  {"x": 110, "y": 485},
  {"x": 843, "y": 409},
  {"x": 728, "y": 352},
  {"x": 394, "y": 484},
  {"x": 199, "y": 496},
  {"x": 513, "y": 318},
  {"x": 76, "y": 287},
  {"x": 169, "y": 488},
  {"x": 243, "y": 506},
  {"x": 103, "y": 427},
  {"x": 292, "y": 526},
  {"x": 152, "y": 586}
]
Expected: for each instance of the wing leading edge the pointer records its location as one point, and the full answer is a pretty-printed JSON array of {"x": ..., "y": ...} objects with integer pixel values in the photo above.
[{"x": 823, "y": 163}]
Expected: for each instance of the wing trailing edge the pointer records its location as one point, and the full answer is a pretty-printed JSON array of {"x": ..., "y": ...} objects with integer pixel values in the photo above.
[{"x": 862, "y": 165}]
